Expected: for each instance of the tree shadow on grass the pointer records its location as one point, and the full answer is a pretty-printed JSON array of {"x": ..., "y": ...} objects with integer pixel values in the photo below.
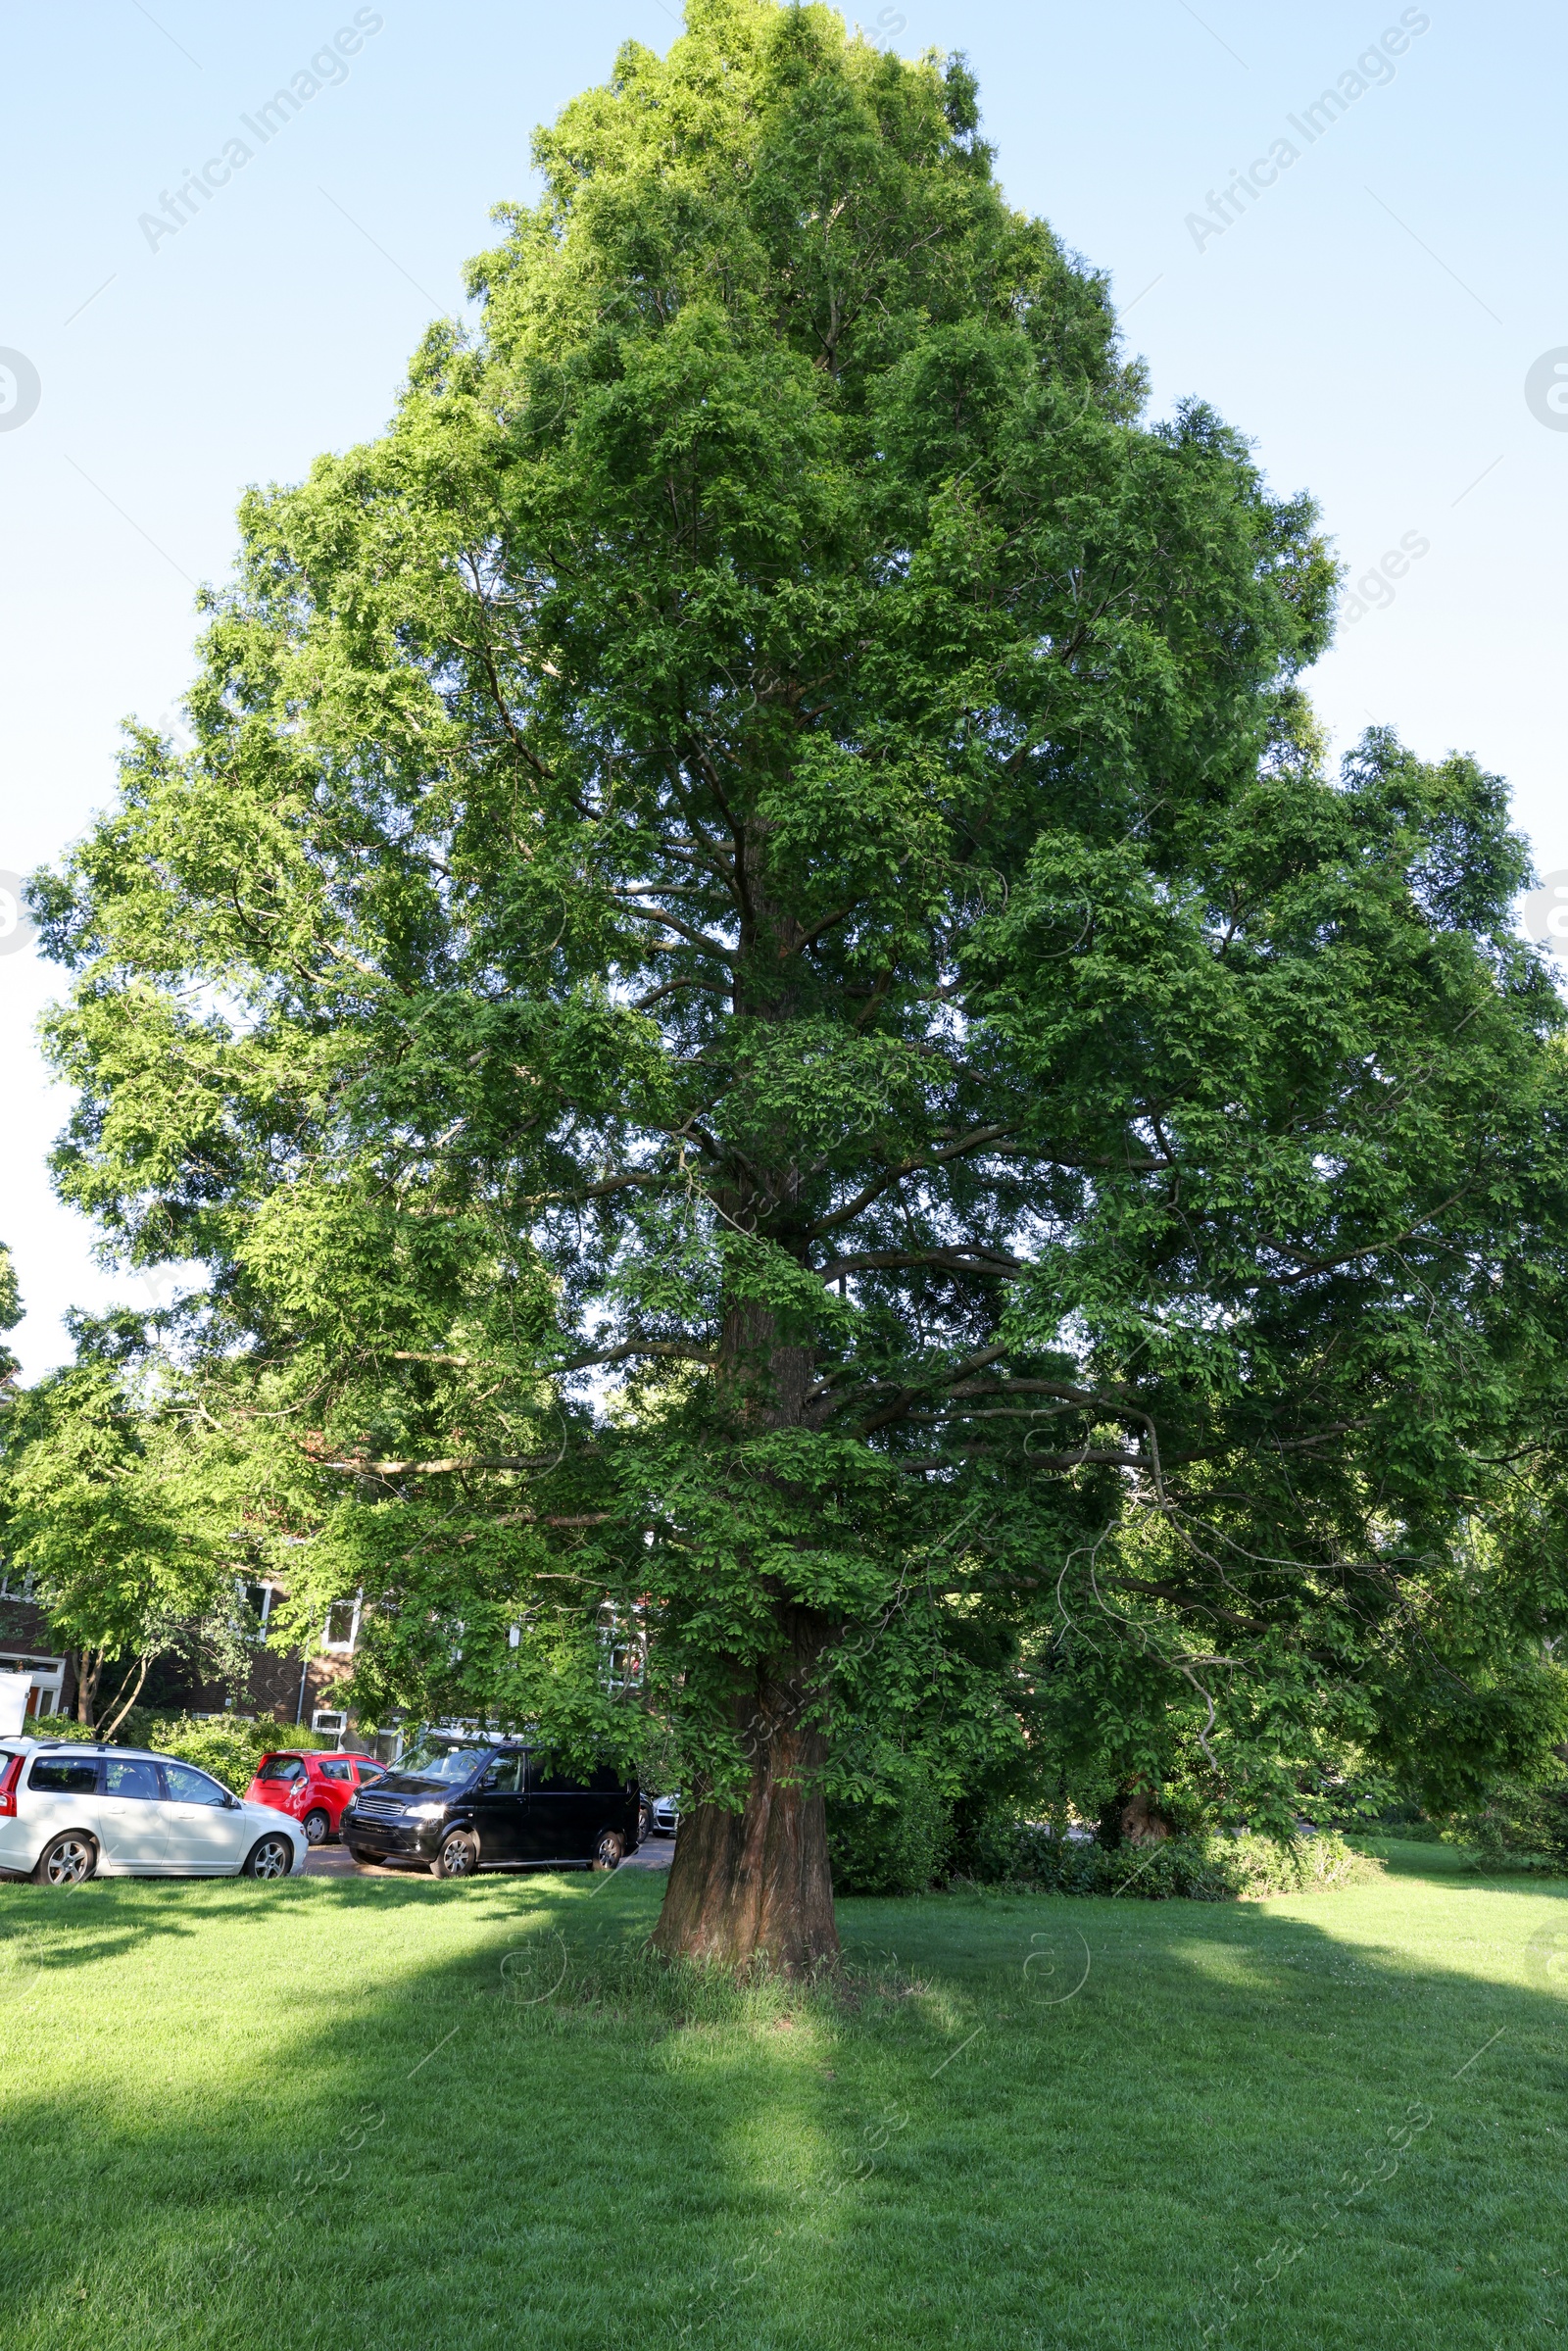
[{"x": 368, "y": 2114}]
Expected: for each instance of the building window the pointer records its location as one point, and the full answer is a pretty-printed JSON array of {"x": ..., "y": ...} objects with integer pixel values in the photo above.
[
  {"x": 258, "y": 1600},
  {"x": 14, "y": 1585},
  {"x": 623, "y": 1648},
  {"x": 342, "y": 1625},
  {"x": 329, "y": 1720},
  {"x": 45, "y": 1677}
]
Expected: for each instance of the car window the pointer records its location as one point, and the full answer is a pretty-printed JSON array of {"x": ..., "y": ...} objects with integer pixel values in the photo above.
[
  {"x": 281, "y": 1767},
  {"x": 546, "y": 1779},
  {"x": 334, "y": 1771},
  {"x": 442, "y": 1759},
  {"x": 65, "y": 1775},
  {"x": 503, "y": 1777},
  {"x": 606, "y": 1780},
  {"x": 131, "y": 1775},
  {"x": 187, "y": 1786},
  {"x": 369, "y": 1772}
]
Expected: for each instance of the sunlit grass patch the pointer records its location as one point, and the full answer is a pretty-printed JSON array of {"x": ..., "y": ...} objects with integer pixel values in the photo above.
[{"x": 381, "y": 2114}]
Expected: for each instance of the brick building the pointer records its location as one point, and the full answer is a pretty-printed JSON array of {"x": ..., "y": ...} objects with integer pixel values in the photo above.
[
  {"x": 293, "y": 1687},
  {"x": 26, "y": 1648}
]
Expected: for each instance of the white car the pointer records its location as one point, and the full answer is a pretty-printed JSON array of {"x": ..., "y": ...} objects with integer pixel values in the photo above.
[
  {"x": 72, "y": 1811},
  {"x": 666, "y": 1814}
]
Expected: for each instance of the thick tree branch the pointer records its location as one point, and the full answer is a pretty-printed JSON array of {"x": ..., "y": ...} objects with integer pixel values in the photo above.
[
  {"x": 953, "y": 1260},
  {"x": 672, "y": 922}
]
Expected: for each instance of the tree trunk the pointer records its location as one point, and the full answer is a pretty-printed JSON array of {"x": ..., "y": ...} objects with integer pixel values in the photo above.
[
  {"x": 90, "y": 1665},
  {"x": 1132, "y": 1817},
  {"x": 121, "y": 1705},
  {"x": 753, "y": 1887}
]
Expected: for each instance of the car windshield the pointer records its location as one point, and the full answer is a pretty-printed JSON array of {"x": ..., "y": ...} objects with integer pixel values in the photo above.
[{"x": 447, "y": 1759}]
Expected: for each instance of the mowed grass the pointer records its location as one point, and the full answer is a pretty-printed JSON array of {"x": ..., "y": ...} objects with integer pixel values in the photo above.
[{"x": 387, "y": 2112}]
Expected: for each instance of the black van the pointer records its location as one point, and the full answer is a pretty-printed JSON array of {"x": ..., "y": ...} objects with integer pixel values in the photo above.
[{"x": 458, "y": 1804}]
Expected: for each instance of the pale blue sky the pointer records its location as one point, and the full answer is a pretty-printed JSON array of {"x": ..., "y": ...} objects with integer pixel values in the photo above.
[{"x": 1368, "y": 319}]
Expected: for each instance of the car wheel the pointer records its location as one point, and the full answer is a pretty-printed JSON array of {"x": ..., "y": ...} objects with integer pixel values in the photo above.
[
  {"x": 271, "y": 1856},
  {"x": 645, "y": 1823},
  {"x": 69, "y": 1861},
  {"x": 459, "y": 1856},
  {"x": 316, "y": 1826},
  {"x": 611, "y": 1850}
]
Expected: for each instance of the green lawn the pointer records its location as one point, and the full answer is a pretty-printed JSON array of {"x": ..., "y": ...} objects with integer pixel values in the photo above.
[{"x": 381, "y": 2113}]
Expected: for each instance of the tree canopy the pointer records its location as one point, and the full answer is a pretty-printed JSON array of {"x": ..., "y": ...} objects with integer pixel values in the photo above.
[
  {"x": 758, "y": 1000},
  {"x": 113, "y": 1506}
]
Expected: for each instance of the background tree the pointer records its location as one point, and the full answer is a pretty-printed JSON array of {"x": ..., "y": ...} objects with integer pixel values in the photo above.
[
  {"x": 10, "y": 1313},
  {"x": 758, "y": 1000},
  {"x": 108, "y": 1509}
]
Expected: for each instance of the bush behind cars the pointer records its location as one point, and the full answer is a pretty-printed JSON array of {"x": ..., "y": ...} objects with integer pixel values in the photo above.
[{"x": 228, "y": 1745}]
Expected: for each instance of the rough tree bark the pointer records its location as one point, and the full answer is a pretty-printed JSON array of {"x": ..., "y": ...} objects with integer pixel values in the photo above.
[
  {"x": 753, "y": 1887},
  {"x": 1132, "y": 1817},
  {"x": 90, "y": 1665}
]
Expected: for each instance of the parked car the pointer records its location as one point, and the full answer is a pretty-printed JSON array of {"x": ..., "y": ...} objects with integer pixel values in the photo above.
[
  {"x": 457, "y": 1805},
  {"x": 311, "y": 1787},
  {"x": 666, "y": 1814},
  {"x": 73, "y": 1811}
]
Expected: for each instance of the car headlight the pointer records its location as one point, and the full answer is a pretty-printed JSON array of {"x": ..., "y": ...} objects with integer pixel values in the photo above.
[{"x": 424, "y": 1812}]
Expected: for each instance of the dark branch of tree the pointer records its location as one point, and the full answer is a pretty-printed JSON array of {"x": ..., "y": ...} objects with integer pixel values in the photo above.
[
  {"x": 519, "y": 744},
  {"x": 672, "y": 922},
  {"x": 938, "y": 1379},
  {"x": 435, "y": 1469},
  {"x": 951, "y": 1260},
  {"x": 976, "y": 1139},
  {"x": 1355, "y": 1257}
]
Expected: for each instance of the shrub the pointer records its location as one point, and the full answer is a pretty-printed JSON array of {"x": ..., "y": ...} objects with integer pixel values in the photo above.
[
  {"x": 1518, "y": 1828},
  {"x": 895, "y": 1840},
  {"x": 1198, "y": 1869},
  {"x": 228, "y": 1745}
]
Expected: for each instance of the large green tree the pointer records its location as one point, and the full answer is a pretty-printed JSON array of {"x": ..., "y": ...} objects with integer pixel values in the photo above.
[{"x": 760, "y": 1004}]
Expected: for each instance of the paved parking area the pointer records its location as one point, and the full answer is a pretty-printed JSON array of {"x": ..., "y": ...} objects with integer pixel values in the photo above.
[
  {"x": 334, "y": 1861},
  {"x": 654, "y": 1853}
]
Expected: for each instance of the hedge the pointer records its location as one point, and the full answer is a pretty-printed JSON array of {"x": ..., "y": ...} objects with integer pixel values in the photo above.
[{"x": 1215, "y": 1868}]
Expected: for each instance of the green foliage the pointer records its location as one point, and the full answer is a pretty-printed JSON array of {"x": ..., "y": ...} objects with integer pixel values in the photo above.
[
  {"x": 228, "y": 1745},
  {"x": 763, "y": 846},
  {"x": 115, "y": 1510},
  {"x": 1199, "y": 1869},
  {"x": 59, "y": 1726},
  {"x": 10, "y": 1311},
  {"x": 1521, "y": 1825},
  {"x": 897, "y": 1841}
]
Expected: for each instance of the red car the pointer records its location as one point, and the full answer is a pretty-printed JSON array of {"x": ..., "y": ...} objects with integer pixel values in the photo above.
[{"x": 312, "y": 1789}]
